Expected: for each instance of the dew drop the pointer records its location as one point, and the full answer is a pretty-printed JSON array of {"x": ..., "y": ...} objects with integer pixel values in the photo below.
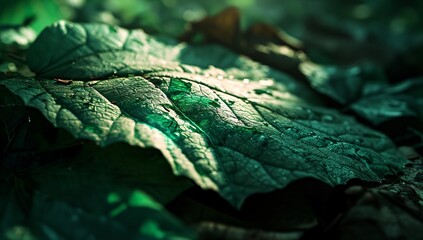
[
  {"x": 262, "y": 91},
  {"x": 245, "y": 80},
  {"x": 292, "y": 129},
  {"x": 394, "y": 104},
  {"x": 231, "y": 102},
  {"x": 266, "y": 82},
  {"x": 215, "y": 102},
  {"x": 305, "y": 154},
  {"x": 327, "y": 118},
  {"x": 220, "y": 77}
]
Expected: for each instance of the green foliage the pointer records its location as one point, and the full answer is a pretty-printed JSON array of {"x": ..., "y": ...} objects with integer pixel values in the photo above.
[
  {"x": 104, "y": 130},
  {"x": 42, "y": 13},
  {"x": 136, "y": 216},
  {"x": 14, "y": 40},
  {"x": 389, "y": 102},
  {"x": 55, "y": 187},
  {"x": 228, "y": 135},
  {"x": 18, "y": 37}
]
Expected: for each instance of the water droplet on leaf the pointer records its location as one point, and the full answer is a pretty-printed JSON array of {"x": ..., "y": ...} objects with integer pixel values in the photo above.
[
  {"x": 266, "y": 82},
  {"x": 262, "y": 91},
  {"x": 327, "y": 118}
]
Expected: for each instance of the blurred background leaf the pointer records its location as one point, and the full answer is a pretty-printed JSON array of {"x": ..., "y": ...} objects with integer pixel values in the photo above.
[{"x": 42, "y": 12}]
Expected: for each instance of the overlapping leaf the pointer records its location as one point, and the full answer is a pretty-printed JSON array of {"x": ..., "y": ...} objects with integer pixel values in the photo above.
[
  {"x": 237, "y": 137},
  {"x": 133, "y": 215},
  {"x": 400, "y": 100},
  {"x": 365, "y": 90}
]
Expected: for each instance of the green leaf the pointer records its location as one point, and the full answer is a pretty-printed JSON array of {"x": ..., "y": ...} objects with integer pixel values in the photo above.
[
  {"x": 381, "y": 214},
  {"x": 73, "y": 198},
  {"x": 142, "y": 221},
  {"x": 38, "y": 216},
  {"x": 18, "y": 37},
  {"x": 365, "y": 90},
  {"x": 43, "y": 12},
  {"x": 14, "y": 40},
  {"x": 100, "y": 170},
  {"x": 344, "y": 84},
  {"x": 401, "y": 100},
  {"x": 233, "y": 136},
  {"x": 77, "y": 57}
]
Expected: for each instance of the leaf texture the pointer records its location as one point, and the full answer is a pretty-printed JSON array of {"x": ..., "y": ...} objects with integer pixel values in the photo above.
[{"x": 235, "y": 136}]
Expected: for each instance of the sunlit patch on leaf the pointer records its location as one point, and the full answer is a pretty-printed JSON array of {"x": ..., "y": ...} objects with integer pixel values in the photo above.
[{"x": 235, "y": 137}]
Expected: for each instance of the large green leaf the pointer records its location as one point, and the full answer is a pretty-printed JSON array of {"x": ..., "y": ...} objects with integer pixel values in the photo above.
[
  {"x": 235, "y": 136},
  {"x": 96, "y": 51}
]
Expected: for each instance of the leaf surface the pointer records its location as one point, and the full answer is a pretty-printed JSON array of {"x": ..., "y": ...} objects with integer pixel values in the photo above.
[
  {"x": 234, "y": 136},
  {"x": 401, "y": 100},
  {"x": 345, "y": 85}
]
